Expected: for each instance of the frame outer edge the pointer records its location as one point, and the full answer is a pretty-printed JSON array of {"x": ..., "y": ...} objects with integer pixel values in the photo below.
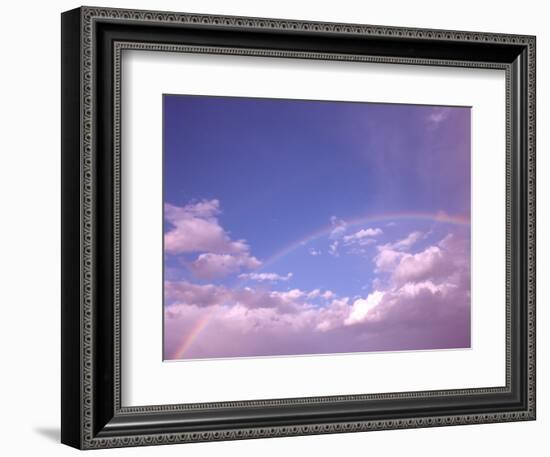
[
  {"x": 531, "y": 224},
  {"x": 85, "y": 408},
  {"x": 71, "y": 325}
]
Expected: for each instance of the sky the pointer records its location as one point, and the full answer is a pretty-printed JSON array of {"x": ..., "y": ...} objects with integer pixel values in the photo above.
[{"x": 296, "y": 227}]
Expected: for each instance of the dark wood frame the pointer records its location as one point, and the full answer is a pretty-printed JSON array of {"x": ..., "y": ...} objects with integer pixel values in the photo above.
[{"x": 92, "y": 42}]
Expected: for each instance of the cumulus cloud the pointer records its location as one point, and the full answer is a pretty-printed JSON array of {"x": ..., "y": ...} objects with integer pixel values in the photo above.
[
  {"x": 390, "y": 254},
  {"x": 184, "y": 293},
  {"x": 434, "y": 262},
  {"x": 194, "y": 228},
  {"x": 265, "y": 277},
  {"x": 316, "y": 293},
  {"x": 429, "y": 263},
  {"x": 423, "y": 304},
  {"x": 362, "y": 306},
  {"x": 363, "y": 237},
  {"x": 386, "y": 259},
  {"x": 210, "y": 266}
]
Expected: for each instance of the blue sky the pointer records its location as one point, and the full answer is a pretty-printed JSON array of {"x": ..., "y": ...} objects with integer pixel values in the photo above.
[{"x": 270, "y": 173}]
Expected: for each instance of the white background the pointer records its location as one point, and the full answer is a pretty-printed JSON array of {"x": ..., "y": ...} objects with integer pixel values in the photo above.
[
  {"x": 147, "y": 75},
  {"x": 30, "y": 245}
]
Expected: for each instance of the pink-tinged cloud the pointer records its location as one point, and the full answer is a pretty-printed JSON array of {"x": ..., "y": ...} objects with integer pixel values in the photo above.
[
  {"x": 423, "y": 303},
  {"x": 184, "y": 293},
  {"x": 195, "y": 228},
  {"x": 390, "y": 254},
  {"x": 210, "y": 266},
  {"x": 438, "y": 115},
  {"x": 406, "y": 242},
  {"x": 386, "y": 259}
]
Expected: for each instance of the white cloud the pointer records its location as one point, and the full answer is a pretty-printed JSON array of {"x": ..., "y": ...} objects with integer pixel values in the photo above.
[
  {"x": 361, "y": 307},
  {"x": 407, "y": 242},
  {"x": 363, "y": 235},
  {"x": 247, "y": 322},
  {"x": 195, "y": 228},
  {"x": 314, "y": 293},
  {"x": 432, "y": 263},
  {"x": 209, "y": 265},
  {"x": 262, "y": 277},
  {"x": 386, "y": 259},
  {"x": 317, "y": 293},
  {"x": 438, "y": 115},
  {"x": 420, "y": 284},
  {"x": 333, "y": 248},
  {"x": 357, "y": 242},
  {"x": 339, "y": 227},
  {"x": 429, "y": 310},
  {"x": 328, "y": 295},
  {"x": 314, "y": 252},
  {"x": 415, "y": 267}
]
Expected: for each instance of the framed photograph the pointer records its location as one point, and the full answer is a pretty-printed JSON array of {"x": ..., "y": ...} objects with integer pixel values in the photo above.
[{"x": 274, "y": 227}]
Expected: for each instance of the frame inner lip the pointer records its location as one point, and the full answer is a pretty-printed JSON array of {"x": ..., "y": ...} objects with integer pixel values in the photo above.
[{"x": 119, "y": 47}]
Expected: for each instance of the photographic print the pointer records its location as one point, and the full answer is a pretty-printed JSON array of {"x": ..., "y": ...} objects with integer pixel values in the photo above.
[{"x": 303, "y": 227}]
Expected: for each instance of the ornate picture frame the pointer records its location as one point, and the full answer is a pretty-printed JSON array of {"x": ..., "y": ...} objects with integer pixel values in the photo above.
[{"x": 93, "y": 415}]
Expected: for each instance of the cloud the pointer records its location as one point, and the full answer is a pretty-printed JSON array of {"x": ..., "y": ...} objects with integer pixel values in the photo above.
[
  {"x": 263, "y": 277},
  {"x": 363, "y": 236},
  {"x": 196, "y": 229},
  {"x": 328, "y": 295},
  {"x": 438, "y": 115},
  {"x": 339, "y": 227},
  {"x": 390, "y": 254},
  {"x": 195, "y": 294},
  {"x": 184, "y": 293},
  {"x": 209, "y": 266},
  {"x": 386, "y": 259},
  {"x": 431, "y": 287},
  {"x": 432, "y": 262},
  {"x": 406, "y": 242},
  {"x": 314, "y": 252},
  {"x": 423, "y": 304},
  {"x": 361, "y": 307},
  {"x": 429, "y": 263},
  {"x": 317, "y": 293},
  {"x": 355, "y": 242},
  {"x": 333, "y": 248}
]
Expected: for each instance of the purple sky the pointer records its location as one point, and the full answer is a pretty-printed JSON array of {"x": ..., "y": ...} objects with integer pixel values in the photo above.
[{"x": 306, "y": 227}]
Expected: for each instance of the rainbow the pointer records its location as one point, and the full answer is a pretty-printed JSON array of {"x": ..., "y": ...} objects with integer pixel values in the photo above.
[
  {"x": 191, "y": 336},
  {"x": 387, "y": 217},
  {"x": 325, "y": 230}
]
